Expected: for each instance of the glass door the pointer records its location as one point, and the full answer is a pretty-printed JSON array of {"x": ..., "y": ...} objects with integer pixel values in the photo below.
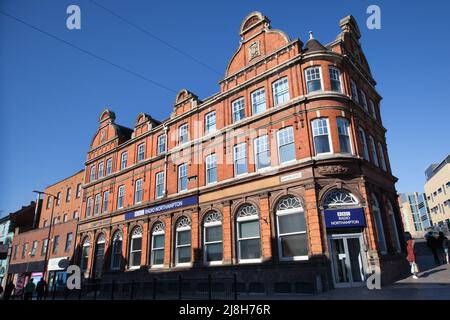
[{"x": 348, "y": 263}]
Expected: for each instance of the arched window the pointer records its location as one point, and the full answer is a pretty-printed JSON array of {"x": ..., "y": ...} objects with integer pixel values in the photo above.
[
  {"x": 85, "y": 254},
  {"x": 99, "y": 255},
  {"x": 136, "y": 247},
  {"x": 339, "y": 198},
  {"x": 116, "y": 251},
  {"x": 363, "y": 141},
  {"x": 248, "y": 234},
  {"x": 376, "y": 211},
  {"x": 381, "y": 154},
  {"x": 183, "y": 241},
  {"x": 157, "y": 254},
  {"x": 291, "y": 229},
  {"x": 394, "y": 226},
  {"x": 212, "y": 237}
]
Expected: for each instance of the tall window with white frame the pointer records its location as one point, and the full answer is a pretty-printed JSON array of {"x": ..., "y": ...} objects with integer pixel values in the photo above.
[
  {"x": 105, "y": 202},
  {"x": 363, "y": 141},
  {"x": 211, "y": 169},
  {"x": 141, "y": 152},
  {"x": 120, "y": 197},
  {"x": 212, "y": 238},
  {"x": 97, "y": 204},
  {"x": 262, "y": 152},
  {"x": 78, "y": 191},
  {"x": 313, "y": 77},
  {"x": 159, "y": 186},
  {"x": 135, "y": 247},
  {"x": 248, "y": 234},
  {"x": 88, "y": 207},
  {"x": 344, "y": 135},
  {"x": 108, "y": 166},
  {"x": 238, "y": 110},
  {"x": 68, "y": 194},
  {"x": 381, "y": 155},
  {"x": 291, "y": 230},
  {"x": 58, "y": 199},
  {"x": 85, "y": 254},
  {"x": 92, "y": 176},
  {"x": 182, "y": 177},
  {"x": 157, "y": 248},
  {"x": 280, "y": 89},
  {"x": 376, "y": 211},
  {"x": 373, "y": 149},
  {"x": 210, "y": 122},
  {"x": 321, "y": 136},
  {"x": 258, "y": 101},
  {"x": 162, "y": 143},
  {"x": 138, "y": 192},
  {"x": 183, "y": 134},
  {"x": 100, "y": 169},
  {"x": 354, "y": 90},
  {"x": 116, "y": 251},
  {"x": 240, "y": 159},
  {"x": 123, "y": 160},
  {"x": 335, "y": 79},
  {"x": 286, "y": 145},
  {"x": 183, "y": 241}
]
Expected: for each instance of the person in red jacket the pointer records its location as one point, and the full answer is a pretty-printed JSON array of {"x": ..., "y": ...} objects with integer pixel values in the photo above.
[{"x": 411, "y": 257}]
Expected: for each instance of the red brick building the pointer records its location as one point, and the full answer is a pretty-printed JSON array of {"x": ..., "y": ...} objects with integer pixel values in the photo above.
[
  {"x": 281, "y": 178},
  {"x": 49, "y": 244}
]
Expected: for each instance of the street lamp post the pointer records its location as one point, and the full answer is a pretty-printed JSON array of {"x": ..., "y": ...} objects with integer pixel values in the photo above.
[{"x": 49, "y": 229}]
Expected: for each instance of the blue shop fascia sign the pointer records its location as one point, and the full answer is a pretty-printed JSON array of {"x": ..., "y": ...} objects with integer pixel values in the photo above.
[
  {"x": 344, "y": 218},
  {"x": 188, "y": 201}
]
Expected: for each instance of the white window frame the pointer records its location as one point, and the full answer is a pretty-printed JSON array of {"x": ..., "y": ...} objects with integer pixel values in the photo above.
[
  {"x": 372, "y": 109},
  {"x": 276, "y": 95},
  {"x": 153, "y": 249},
  {"x": 280, "y": 213},
  {"x": 354, "y": 90},
  {"x": 332, "y": 69},
  {"x": 254, "y": 217},
  {"x": 138, "y": 183},
  {"x": 108, "y": 167},
  {"x": 330, "y": 142},
  {"x": 256, "y": 153},
  {"x": 362, "y": 136},
  {"x": 34, "y": 246},
  {"x": 183, "y": 165},
  {"x": 162, "y": 141},
  {"x": 177, "y": 246},
  {"x": 210, "y": 125},
  {"x": 205, "y": 243},
  {"x": 347, "y": 133},
  {"x": 159, "y": 182},
  {"x": 183, "y": 134},
  {"x": 235, "y": 159},
  {"x": 210, "y": 164},
  {"x": 257, "y": 101},
  {"x": 363, "y": 100},
  {"x": 105, "y": 202},
  {"x": 88, "y": 207},
  {"x": 132, "y": 252},
  {"x": 308, "y": 70},
  {"x": 101, "y": 170},
  {"x": 92, "y": 175},
  {"x": 120, "y": 196},
  {"x": 236, "y": 106},
  {"x": 124, "y": 160},
  {"x": 140, "y": 152},
  {"x": 291, "y": 130},
  {"x": 97, "y": 201}
]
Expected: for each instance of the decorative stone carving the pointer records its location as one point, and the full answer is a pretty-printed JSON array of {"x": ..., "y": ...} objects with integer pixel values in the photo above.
[
  {"x": 254, "y": 50},
  {"x": 333, "y": 170}
]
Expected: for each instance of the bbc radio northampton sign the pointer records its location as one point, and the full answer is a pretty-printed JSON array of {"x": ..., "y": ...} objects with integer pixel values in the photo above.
[{"x": 344, "y": 218}]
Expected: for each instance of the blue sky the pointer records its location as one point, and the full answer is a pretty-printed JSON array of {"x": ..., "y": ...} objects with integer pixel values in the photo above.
[{"x": 51, "y": 94}]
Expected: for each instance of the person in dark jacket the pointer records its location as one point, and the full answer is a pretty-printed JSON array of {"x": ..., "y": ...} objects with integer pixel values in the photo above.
[
  {"x": 433, "y": 244},
  {"x": 9, "y": 288},
  {"x": 443, "y": 247},
  {"x": 41, "y": 289}
]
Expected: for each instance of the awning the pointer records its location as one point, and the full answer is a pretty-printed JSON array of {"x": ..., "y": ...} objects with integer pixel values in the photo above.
[{"x": 35, "y": 266}]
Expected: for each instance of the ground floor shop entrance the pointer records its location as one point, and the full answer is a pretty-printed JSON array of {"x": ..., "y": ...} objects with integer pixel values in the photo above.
[{"x": 348, "y": 259}]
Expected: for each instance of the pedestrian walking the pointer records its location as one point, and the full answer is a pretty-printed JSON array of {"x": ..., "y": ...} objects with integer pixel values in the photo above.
[
  {"x": 9, "y": 288},
  {"x": 29, "y": 290},
  {"x": 433, "y": 245},
  {"x": 411, "y": 257},
  {"x": 41, "y": 289},
  {"x": 443, "y": 247}
]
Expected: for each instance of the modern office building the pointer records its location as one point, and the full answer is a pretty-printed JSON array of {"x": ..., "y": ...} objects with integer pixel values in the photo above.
[
  {"x": 282, "y": 178},
  {"x": 46, "y": 249},
  {"x": 415, "y": 213},
  {"x": 437, "y": 190}
]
